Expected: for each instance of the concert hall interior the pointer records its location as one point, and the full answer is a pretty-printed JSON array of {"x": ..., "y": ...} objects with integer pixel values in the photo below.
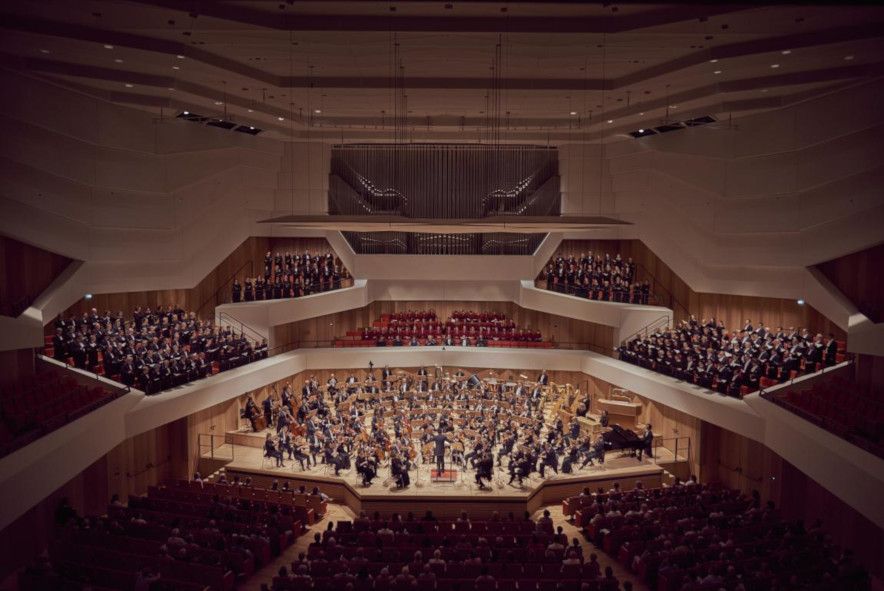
[{"x": 476, "y": 294}]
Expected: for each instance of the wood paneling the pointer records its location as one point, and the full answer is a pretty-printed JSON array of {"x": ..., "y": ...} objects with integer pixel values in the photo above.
[
  {"x": 858, "y": 276},
  {"x": 26, "y": 271},
  {"x": 566, "y": 332},
  {"x": 870, "y": 375},
  {"x": 667, "y": 422},
  {"x": 16, "y": 365},
  {"x": 672, "y": 292},
  {"x": 247, "y": 260},
  {"x": 747, "y": 465}
]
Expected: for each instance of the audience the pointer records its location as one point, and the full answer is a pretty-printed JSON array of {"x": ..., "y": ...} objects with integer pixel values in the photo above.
[
  {"x": 733, "y": 363},
  {"x": 152, "y": 350},
  {"x": 598, "y": 277},
  {"x": 709, "y": 537},
  {"x": 290, "y": 276},
  {"x": 184, "y": 536}
]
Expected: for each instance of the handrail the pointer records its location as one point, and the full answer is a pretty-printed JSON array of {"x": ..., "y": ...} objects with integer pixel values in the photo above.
[
  {"x": 230, "y": 279},
  {"x": 67, "y": 365},
  {"x": 661, "y": 442},
  {"x": 232, "y": 321},
  {"x": 212, "y": 447},
  {"x": 330, "y": 343},
  {"x": 646, "y": 329},
  {"x": 572, "y": 291}
]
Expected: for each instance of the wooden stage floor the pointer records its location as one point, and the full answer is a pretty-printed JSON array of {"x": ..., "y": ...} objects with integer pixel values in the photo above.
[{"x": 444, "y": 498}]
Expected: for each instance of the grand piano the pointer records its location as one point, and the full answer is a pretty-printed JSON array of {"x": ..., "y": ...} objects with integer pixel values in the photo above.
[{"x": 622, "y": 439}]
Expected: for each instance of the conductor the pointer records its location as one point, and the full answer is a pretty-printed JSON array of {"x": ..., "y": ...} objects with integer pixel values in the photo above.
[{"x": 440, "y": 440}]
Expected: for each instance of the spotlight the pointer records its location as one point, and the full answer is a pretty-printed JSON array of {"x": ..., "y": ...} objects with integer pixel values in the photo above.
[
  {"x": 88, "y": 296},
  {"x": 641, "y": 130},
  {"x": 317, "y": 111},
  {"x": 610, "y": 121},
  {"x": 129, "y": 85},
  {"x": 187, "y": 112},
  {"x": 573, "y": 113},
  {"x": 179, "y": 56},
  {"x": 800, "y": 301},
  {"x": 108, "y": 46}
]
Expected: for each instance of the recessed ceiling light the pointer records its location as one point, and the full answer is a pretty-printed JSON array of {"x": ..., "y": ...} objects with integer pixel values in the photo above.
[
  {"x": 716, "y": 72},
  {"x": 317, "y": 111},
  {"x": 219, "y": 102},
  {"x": 610, "y": 121},
  {"x": 250, "y": 110},
  {"x": 129, "y": 85},
  {"x": 108, "y": 46},
  {"x": 786, "y": 51},
  {"x": 281, "y": 118},
  {"x": 44, "y": 51},
  {"x": 713, "y": 61},
  {"x": 775, "y": 66},
  {"x": 187, "y": 112},
  {"x": 573, "y": 113},
  {"x": 641, "y": 113},
  {"x": 251, "y": 127},
  {"x": 118, "y": 60},
  {"x": 176, "y": 67},
  {"x": 179, "y": 56},
  {"x": 641, "y": 130},
  {"x": 848, "y": 57}
]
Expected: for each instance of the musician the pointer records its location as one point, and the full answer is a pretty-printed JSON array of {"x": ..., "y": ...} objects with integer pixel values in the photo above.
[
  {"x": 603, "y": 418},
  {"x": 300, "y": 453},
  {"x": 484, "y": 469},
  {"x": 250, "y": 412},
  {"x": 271, "y": 451},
  {"x": 647, "y": 443},
  {"x": 596, "y": 452},
  {"x": 268, "y": 410},
  {"x": 549, "y": 458},
  {"x": 399, "y": 471},
  {"x": 543, "y": 379},
  {"x": 367, "y": 467}
]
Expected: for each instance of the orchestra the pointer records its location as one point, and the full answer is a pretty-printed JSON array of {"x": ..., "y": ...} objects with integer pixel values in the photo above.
[{"x": 400, "y": 421}]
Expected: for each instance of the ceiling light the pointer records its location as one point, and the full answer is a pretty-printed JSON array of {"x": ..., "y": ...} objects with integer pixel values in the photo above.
[
  {"x": 281, "y": 118},
  {"x": 641, "y": 113},
  {"x": 641, "y": 130},
  {"x": 800, "y": 301},
  {"x": 775, "y": 66},
  {"x": 179, "y": 56},
  {"x": 108, "y": 46},
  {"x": 848, "y": 57},
  {"x": 176, "y": 67},
  {"x": 251, "y": 127},
  {"x": 786, "y": 51},
  {"x": 249, "y": 110},
  {"x": 44, "y": 51},
  {"x": 716, "y": 72},
  {"x": 118, "y": 60},
  {"x": 610, "y": 121},
  {"x": 763, "y": 90},
  {"x": 317, "y": 111},
  {"x": 573, "y": 113},
  {"x": 673, "y": 106},
  {"x": 219, "y": 102},
  {"x": 88, "y": 296},
  {"x": 187, "y": 112},
  {"x": 129, "y": 85},
  {"x": 713, "y": 61}
]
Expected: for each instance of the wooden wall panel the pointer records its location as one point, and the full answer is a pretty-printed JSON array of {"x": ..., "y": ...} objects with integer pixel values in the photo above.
[
  {"x": 247, "y": 260},
  {"x": 870, "y": 375},
  {"x": 747, "y": 465},
  {"x": 321, "y": 331},
  {"x": 16, "y": 365},
  {"x": 858, "y": 276},
  {"x": 25, "y": 272}
]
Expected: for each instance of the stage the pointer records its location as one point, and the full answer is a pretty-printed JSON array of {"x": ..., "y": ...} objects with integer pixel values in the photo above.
[{"x": 243, "y": 455}]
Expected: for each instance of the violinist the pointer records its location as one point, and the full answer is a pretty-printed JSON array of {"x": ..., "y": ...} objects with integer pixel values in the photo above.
[
  {"x": 271, "y": 451},
  {"x": 367, "y": 467},
  {"x": 250, "y": 412}
]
